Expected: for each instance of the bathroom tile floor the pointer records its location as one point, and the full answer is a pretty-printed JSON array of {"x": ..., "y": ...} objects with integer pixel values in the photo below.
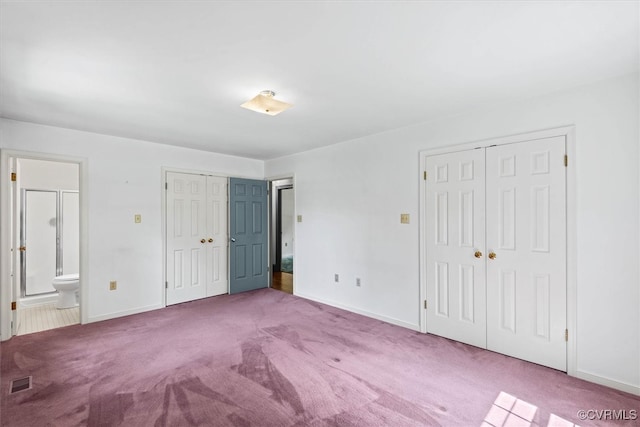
[{"x": 46, "y": 316}]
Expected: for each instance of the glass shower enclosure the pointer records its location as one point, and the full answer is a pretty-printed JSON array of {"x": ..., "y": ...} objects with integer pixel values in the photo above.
[{"x": 49, "y": 238}]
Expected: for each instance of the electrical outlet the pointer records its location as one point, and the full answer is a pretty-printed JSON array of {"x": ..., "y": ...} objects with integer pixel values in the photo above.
[
  {"x": 336, "y": 277},
  {"x": 357, "y": 281},
  {"x": 299, "y": 218},
  {"x": 113, "y": 285},
  {"x": 137, "y": 218}
]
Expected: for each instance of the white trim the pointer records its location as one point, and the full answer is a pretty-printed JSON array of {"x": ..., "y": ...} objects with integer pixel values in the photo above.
[
  {"x": 281, "y": 176},
  {"x": 292, "y": 177},
  {"x": 572, "y": 251},
  {"x": 118, "y": 314},
  {"x": 598, "y": 379},
  {"x": 391, "y": 320},
  {"x": 7, "y": 285},
  {"x": 422, "y": 231},
  {"x": 569, "y": 133},
  {"x": 502, "y": 140}
]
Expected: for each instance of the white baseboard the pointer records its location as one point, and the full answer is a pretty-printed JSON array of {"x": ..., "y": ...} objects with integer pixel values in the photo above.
[
  {"x": 117, "y": 314},
  {"x": 629, "y": 388},
  {"x": 362, "y": 312}
]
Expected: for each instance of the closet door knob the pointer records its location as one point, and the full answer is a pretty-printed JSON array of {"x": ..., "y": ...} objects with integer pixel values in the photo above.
[
  {"x": 203, "y": 241},
  {"x": 478, "y": 254},
  {"x": 492, "y": 255},
  {"x": 210, "y": 240}
]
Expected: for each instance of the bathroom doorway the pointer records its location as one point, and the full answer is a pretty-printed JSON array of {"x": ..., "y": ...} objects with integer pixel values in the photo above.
[
  {"x": 46, "y": 208},
  {"x": 282, "y": 234}
]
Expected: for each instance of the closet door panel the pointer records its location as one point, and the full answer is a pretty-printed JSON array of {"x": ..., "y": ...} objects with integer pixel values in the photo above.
[
  {"x": 526, "y": 245},
  {"x": 455, "y": 233}
]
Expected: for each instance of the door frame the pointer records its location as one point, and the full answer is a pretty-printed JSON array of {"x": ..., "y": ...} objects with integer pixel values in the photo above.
[
  {"x": 275, "y": 242},
  {"x": 9, "y": 288},
  {"x": 289, "y": 180},
  {"x": 569, "y": 133}
]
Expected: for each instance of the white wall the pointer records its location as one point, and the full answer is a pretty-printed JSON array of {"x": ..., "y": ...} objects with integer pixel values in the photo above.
[
  {"x": 124, "y": 179},
  {"x": 351, "y": 195},
  {"x": 46, "y": 175}
]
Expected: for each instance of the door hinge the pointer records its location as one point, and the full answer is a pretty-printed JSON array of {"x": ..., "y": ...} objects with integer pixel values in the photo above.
[
  {"x": 566, "y": 160},
  {"x": 166, "y": 285},
  {"x": 424, "y": 175},
  {"x": 566, "y": 335},
  {"x": 14, "y": 177},
  {"x": 166, "y": 185},
  {"x": 425, "y": 304},
  {"x": 13, "y": 305}
]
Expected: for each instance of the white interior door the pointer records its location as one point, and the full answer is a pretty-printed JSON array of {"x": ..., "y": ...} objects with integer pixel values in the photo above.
[
  {"x": 186, "y": 237},
  {"x": 526, "y": 231},
  {"x": 454, "y": 248},
  {"x": 217, "y": 237}
]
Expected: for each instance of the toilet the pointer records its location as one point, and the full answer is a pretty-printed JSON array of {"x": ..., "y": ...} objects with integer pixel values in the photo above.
[{"x": 67, "y": 287}]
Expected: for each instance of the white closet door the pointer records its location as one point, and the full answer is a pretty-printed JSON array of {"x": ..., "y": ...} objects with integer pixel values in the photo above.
[
  {"x": 455, "y": 225},
  {"x": 186, "y": 237},
  {"x": 216, "y": 236},
  {"x": 526, "y": 230}
]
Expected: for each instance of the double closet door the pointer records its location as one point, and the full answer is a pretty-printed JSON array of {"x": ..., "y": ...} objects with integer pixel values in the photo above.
[
  {"x": 496, "y": 248},
  {"x": 196, "y": 218},
  {"x": 203, "y": 259}
]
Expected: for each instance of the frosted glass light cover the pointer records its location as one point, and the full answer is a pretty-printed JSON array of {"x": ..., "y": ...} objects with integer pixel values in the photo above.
[{"x": 266, "y": 105}]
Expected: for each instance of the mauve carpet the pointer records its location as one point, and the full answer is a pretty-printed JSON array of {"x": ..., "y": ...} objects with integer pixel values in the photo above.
[{"x": 266, "y": 358}]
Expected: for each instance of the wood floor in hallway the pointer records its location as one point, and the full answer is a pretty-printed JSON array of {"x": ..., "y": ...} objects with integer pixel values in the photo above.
[{"x": 282, "y": 282}]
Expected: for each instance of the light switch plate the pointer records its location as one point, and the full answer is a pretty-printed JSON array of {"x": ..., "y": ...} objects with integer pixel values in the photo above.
[
  {"x": 137, "y": 218},
  {"x": 299, "y": 218},
  {"x": 404, "y": 218}
]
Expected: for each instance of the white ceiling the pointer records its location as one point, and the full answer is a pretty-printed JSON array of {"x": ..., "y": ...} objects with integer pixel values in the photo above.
[{"x": 176, "y": 72}]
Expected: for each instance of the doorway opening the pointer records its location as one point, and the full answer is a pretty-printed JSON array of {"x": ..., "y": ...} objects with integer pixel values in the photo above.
[
  {"x": 45, "y": 230},
  {"x": 282, "y": 234}
]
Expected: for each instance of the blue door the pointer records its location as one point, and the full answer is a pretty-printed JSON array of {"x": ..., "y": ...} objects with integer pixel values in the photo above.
[{"x": 248, "y": 261}]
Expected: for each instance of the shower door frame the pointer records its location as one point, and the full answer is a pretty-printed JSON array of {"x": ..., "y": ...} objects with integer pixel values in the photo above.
[{"x": 59, "y": 236}]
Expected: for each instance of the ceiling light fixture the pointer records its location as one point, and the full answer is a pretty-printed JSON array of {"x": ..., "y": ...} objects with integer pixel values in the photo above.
[{"x": 265, "y": 104}]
